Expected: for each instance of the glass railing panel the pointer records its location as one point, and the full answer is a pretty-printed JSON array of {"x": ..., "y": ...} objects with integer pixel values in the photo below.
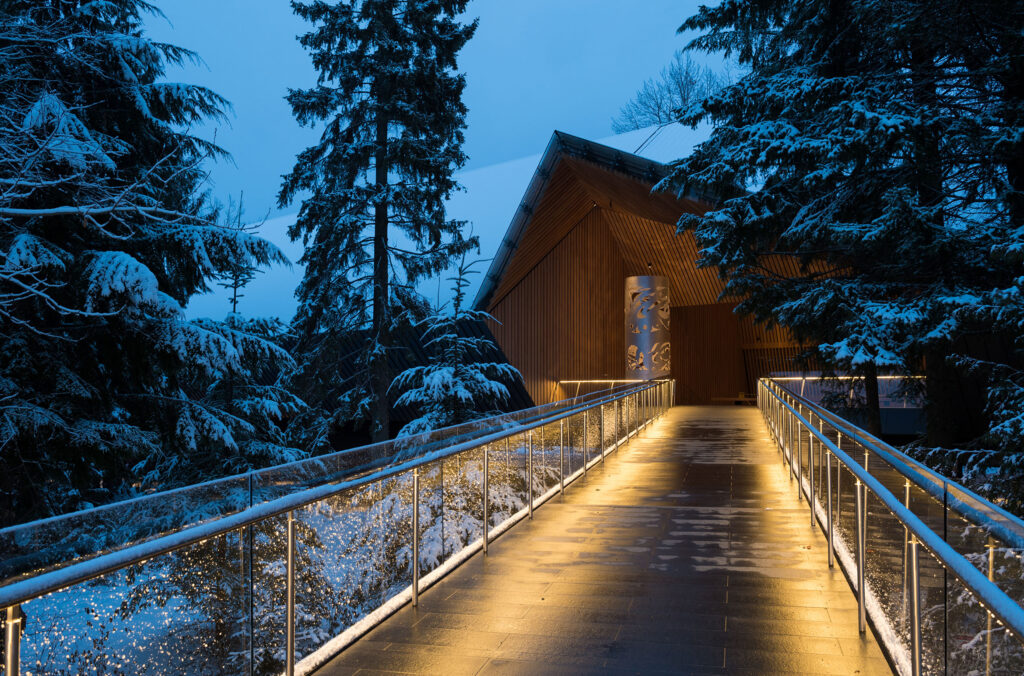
[
  {"x": 886, "y": 572},
  {"x": 977, "y": 642},
  {"x": 35, "y": 547},
  {"x": 845, "y": 521},
  {"x": 924, "y": 506},
  {"x": 932, "y": 587},
  {"x": 391, "y": 538},
  {"x": 463, "y": 500},
  {"x": 1006, "y": 570},
  {"x": 593, "y": 439},
  {"x": 40, "y": 545},
  {"x": 431, "y": 521},
  {"x": 182, "y": 612},
  {"x": 574, "y": 443},
  {"x": 324, "y": 606},
  {"x": 269, "y": 592},
  {"x": 506, "y": 485},
  {"x": 549, "y": 456}
]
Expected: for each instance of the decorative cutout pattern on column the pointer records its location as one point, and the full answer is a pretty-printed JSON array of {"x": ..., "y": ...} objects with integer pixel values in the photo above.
[{"x": 648, "y": 342}]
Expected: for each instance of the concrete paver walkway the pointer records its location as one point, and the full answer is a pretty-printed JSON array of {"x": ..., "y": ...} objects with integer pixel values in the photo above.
[{"x": 686, "y": 552}]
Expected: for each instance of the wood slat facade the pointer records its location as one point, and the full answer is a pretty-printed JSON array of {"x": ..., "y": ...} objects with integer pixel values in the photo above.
[{"x": 558, "y": 302}]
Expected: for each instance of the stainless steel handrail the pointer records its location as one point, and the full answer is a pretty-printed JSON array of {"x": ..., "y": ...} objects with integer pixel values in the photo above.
[
  {"x": 25, "y": 590},
  {"x": 916, "y": 472},
  {"x": 994, "y": 599},
  {"x": 410, "y": 441}
]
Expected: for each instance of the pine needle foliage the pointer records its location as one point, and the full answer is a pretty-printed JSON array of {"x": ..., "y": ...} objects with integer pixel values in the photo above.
[
  {"x": 104, "y": 235},
  {"x": 389, "y": 100},
  {"x": 459, "y": 383},
  {"x": 881, "y": 146}
]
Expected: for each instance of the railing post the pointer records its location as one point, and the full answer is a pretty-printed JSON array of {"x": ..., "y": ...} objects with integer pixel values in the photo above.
[
  {"x": 839, "y": 478},
  {"x": 529, "y": 472},
  {"x": 416, "y": 536},
  {"x": 991, "y": 546},
  {"x": 810, "y": 474},
  {"x": 789, "y": 435},
  {"x": 585, "y": 443},
  {"x": 791, "y": 417},
  {"x": 906, "y": 555},
  {"x": 861, "y": 491},
  {"x": 289, "y": 664},
  {"x": 828, "y": 506},
  {"x": 915, "y": 610},
  {"x": 252, "y": 591},
  {"x": 821, "y": 450},
  {"x": 487, "y": 518},
  {"x": 616, "y": 412},
  {"x": 561, "y": 455},
  {"x": 799, "y": 455},
  {"x": 643, "y": 409},
  {"x": 12, "y": 641},
  {"x": 601, "y": 432},
  {"x": 625, "y": 417}
]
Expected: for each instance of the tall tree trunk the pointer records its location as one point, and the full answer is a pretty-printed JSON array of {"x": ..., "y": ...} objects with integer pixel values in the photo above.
[
  {"x": 1013, "y": 94},
  {"x": 874, "y": 411},
  {"x": 947, "y": 411},
  {"x": 379, "y": 375}
]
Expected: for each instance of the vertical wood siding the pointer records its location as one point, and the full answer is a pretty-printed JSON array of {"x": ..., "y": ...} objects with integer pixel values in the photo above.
[
  {"x": 563, "y": 320},
  {"x": 559, "y": 304}
]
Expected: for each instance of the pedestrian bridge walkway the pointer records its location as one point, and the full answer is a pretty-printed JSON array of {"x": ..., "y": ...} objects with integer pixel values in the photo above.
[{"x": 687, "y": 551}]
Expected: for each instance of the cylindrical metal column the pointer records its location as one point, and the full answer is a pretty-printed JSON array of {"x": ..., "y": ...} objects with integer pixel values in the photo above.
[
  {"x": 839, "y": 478},
  {"x": 585, "y": 443},
  {"x": 627, "y": 402},
  {"x": 791, "y": 427},
  {"x": 487, "y": 502},
  {"x": 915, "y": 610},
  {"x": 289, "y": 658},
  {"x": 618, "y": 412},
  {"x": 529, "y": 473},
  {"x": 861, "y": 491},
  {"x": 561, "y": 456},
  {"x": 991, "y": 545},
  {"x": 416, "y": 536},
  {"x": 828, "y": 506},
  {"x": 12, "y": 641},
  {"x": 821, "y": 451},
  {"x": 647, "y": 339},
  {"x": 799, "y": 458},
  {"x": 810, "y": 474},
  {"x": 906, "y": 556}
]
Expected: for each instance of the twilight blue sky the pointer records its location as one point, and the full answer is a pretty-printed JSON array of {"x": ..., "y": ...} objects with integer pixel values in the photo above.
[{"x": 533, "y": 66}]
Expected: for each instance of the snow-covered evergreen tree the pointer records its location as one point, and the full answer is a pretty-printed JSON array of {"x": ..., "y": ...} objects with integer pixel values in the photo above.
[
  {"x": 459, "y": 383},
  {"x": 374, "y": 220},
  {"x": 103, "y": 238},
  {"x": 871, "y": 142}
]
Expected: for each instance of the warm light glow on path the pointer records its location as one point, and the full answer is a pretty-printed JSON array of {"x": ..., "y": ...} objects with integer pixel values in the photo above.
[{"x": 685, "y": 552}]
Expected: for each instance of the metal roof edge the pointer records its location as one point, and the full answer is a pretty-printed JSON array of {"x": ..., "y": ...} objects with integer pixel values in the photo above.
[{"x": 562, "y": 143}]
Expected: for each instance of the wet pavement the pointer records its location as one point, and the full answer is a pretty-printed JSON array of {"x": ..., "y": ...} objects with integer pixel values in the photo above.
[{"x": 686, "y": 552}]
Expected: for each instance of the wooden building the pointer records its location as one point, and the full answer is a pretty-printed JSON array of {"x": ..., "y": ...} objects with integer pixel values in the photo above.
[{"x": 587, "y": 221}]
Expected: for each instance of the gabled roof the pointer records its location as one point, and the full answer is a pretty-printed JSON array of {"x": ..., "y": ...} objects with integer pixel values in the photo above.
[{"x": 601, "y": 186}]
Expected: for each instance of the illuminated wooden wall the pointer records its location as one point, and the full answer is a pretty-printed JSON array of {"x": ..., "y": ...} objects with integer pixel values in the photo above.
[{"x": 559, "y": 302}]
